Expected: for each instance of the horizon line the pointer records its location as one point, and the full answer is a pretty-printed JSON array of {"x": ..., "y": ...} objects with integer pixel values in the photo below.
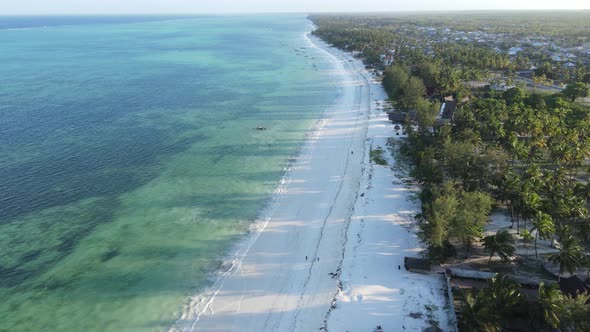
[{"x": 406, "y": 11}]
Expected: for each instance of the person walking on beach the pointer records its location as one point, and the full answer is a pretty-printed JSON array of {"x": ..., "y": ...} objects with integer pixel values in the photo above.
[{"x": 306, "y": 258}]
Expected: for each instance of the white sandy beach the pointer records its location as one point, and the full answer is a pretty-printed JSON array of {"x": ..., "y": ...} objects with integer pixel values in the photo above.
[{"x": 327, "y": 255}]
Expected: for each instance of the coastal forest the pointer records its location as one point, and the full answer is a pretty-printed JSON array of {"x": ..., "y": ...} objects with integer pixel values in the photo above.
[{"x": 497, "y": 119}]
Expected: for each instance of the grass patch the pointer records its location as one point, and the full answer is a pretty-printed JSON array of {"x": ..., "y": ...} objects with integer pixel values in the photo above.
[
  {"x": 377, "y": 157},
  {"x": 430, "y": 314}
]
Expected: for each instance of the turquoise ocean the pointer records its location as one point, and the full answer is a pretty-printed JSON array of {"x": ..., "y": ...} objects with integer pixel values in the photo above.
[{"x": 130, "y": 160}]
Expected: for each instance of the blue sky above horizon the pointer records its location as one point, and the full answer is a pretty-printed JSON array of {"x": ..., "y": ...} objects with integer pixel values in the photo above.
[{"x": 260, "y": 6}]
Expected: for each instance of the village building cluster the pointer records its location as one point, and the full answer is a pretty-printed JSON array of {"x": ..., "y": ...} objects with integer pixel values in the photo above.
[{"x": 530, "y": 53}]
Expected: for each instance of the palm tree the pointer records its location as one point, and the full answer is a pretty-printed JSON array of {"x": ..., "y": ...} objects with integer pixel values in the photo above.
[
  {"x": 513, "y": 185},
  {"x": 570, "y": 256},
  {"x": 548, "y": 308},
  {"x": 534, "y": 176},
  {"x": 501, "y": 243},
  {"x": 585, "y": 229},
  {"x": 477, "y": 314},
  {"x": 583, "y": 191},
  {"x": 544, "y": 227},
  {"x": 578, "y": 209},
  {"x": 554, "y": 191},
  {"x": 531, "y": 201},
  {"x": 518, "y": 148},
  {"x": 575, "y": 314},
  {"x": 526, "y": 237},
  {"x": 505, "y": 296}
]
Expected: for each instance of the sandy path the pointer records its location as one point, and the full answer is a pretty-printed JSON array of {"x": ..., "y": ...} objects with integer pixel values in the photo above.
[{"x": 326, "y": 258}]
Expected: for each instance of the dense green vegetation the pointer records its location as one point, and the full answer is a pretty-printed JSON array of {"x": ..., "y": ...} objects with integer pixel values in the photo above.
[
  {"x": 470, "y": 44},
  {"x": 503, "y": 301},
  {"x": 377, "y": 157},
  {"x": 526, "y": 151},
  {"x": 563, "y": 24}
]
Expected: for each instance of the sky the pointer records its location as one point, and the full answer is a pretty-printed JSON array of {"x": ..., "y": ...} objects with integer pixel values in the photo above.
[{"x": 261, "y": 6}]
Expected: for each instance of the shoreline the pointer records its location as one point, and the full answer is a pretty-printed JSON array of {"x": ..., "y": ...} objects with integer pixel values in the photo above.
[
  {"x": 231, "y": 261},
  {"x": 199, "y": 304},
  {"x": 275, "y": 279}
]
